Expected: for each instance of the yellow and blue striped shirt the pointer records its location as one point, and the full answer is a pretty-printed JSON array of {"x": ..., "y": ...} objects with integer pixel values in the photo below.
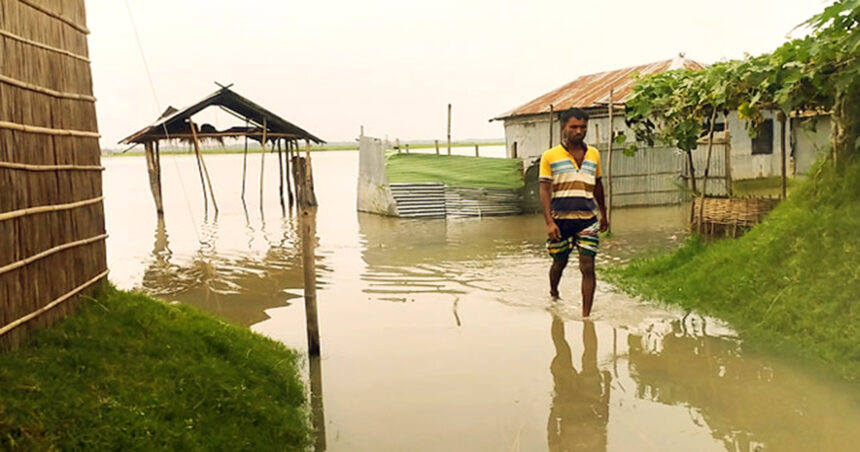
[{"x": 572, "y": 186}]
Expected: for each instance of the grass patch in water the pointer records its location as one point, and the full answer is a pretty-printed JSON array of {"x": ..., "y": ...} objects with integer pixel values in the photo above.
[
  {"x": 792, "y": 281},
  {"x": 129, "y": 372},
  {"x": 455, "y": 170}
]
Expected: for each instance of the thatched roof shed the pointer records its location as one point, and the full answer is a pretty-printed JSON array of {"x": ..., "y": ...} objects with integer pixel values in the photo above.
[
  {"x": 175, "y": 124},
  {"x": 52, "y": 231},
  {"x": 261, "y": 125}
]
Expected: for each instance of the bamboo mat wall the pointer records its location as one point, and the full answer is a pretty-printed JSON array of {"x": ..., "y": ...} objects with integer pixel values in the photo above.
[{"x": 52, "y": 232}]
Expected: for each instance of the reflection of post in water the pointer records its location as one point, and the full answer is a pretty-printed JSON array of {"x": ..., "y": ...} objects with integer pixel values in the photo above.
[
  {"x": 308, "y": 226},
  {"x": 317, "y": 407},
  {"x": 580, "y": 404}
]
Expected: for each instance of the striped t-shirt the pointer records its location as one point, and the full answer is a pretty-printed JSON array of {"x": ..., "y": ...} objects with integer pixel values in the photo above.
[{"x": 572, "y": 186}]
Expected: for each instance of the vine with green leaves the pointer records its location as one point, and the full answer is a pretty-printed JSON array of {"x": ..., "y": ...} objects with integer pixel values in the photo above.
[{"x": 818, "y": 73}]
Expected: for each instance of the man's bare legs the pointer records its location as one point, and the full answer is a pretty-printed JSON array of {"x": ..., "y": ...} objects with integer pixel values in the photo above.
[
  {"x": 586, "y": 267},
  {"x": 555, "y": 276}
]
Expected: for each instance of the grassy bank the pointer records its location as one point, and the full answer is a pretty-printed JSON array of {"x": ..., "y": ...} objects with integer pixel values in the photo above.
[
  {"x": 793, "y": 281},
  {"x": 126, "y": 371},
  {"x": 454, "y": 170}
]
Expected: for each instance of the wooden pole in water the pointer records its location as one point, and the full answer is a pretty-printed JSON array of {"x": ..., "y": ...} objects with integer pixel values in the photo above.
[
  {"x": 287, "y": 156},
  {"x": 154, "y": 171},
  {"x": 310, "y": 280},
  {"x": 317, "y": 406},
  {"x": 476, "y": 151},
  {"x": 781, "y": 117},
  {"x": 309, "y": 178},
  {"x": 437, "y": 146},
  {"x": 263, "y": 160},
  {"x": 202, "y": 163},
  {"x": 449, "y": 129},
  {"x": 245, "y": 161},
  {"x": 707, "y": 170},
  {"x": 609, "y": 159},
  {"x": 281, "y": 176}
]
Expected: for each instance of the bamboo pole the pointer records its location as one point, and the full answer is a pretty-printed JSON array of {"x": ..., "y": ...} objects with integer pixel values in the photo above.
[
  {"x": 707, "y": 170},
  {"x": 28, "y": 167},
  {"x": 48, "y": 252},
  {"x": 287, "y": 147},
  {"x": 54, "y": 15},
  {"x": 52, "y": 208},
  {"x": 550, "y": 126},
  {"x": 281, "y": 177},
  {"x": 310, "y": 280},
  {"x": 42, "y": 90},
  {"x": 245, "y": 162},
  {"x": 309, "y": 178},
  {"x": 15, "y": 324},
  {"x": 203, "y": 163},
  {"x": 317, "y": 406},
  {"x": 609, "y": 159},
  {"x": 43, "y": 46},
  {"x": 449, "y": 129},
  {"x": 728, "y": 147},
  {"x": 47, "y": 130},
  {"x": 152, "y": 171},
  {"x": 263, "y": 160},
  {"x": 781, "y": 117}
]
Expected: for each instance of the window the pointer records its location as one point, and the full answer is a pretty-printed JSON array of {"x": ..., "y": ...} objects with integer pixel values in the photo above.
[{"x": 763, "y": 142}]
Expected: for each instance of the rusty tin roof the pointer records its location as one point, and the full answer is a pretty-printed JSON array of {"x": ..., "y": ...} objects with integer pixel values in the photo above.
[{"x": 593, "y": 90}]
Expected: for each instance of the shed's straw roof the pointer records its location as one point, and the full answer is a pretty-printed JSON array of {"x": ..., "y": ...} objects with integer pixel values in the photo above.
[{"x": 233, "y": 102}]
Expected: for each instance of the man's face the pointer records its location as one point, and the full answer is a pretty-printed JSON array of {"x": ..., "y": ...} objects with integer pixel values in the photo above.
[{"x": 574, "y": 130}]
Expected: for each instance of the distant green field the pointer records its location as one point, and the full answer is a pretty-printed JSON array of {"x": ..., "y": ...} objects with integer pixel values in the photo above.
[{"x": 455, "y": 170}]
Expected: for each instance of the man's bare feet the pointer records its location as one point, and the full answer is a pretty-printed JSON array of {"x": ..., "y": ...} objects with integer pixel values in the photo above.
[{"x": 554, "y": 295}]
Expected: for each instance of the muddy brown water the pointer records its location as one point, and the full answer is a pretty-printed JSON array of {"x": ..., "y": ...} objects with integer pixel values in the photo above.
[{"x": 439, "y": 334}]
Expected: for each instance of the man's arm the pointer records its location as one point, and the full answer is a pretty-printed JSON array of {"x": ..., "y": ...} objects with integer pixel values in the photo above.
[
  {"x": 598, "y": 196},
  {"x": 552, "y": 230}
]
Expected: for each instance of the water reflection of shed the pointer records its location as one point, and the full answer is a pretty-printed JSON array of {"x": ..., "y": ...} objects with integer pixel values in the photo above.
[{"x": 261, "y": 125}]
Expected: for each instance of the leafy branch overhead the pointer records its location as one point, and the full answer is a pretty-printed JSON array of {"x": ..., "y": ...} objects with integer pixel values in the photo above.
[{"x": 810, "y": 73}]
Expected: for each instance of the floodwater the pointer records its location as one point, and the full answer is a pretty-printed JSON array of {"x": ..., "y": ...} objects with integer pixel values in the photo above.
[{"x": 440, "y": 335}]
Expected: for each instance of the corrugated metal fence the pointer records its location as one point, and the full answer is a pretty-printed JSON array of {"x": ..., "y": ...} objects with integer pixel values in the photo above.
[{"x": 435, "y": 200}]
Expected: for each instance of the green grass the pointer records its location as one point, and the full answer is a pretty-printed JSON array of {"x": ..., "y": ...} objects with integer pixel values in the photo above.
[
  {"x": 791, "y": 282},
  {"x": 768, "y": 186},
  {"x": 126, "y": 372},
  {"x": 455, "y": 170}
]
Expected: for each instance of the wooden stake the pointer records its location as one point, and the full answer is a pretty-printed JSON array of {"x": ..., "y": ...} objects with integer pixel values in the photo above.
[
  {"x": 449, "y": 129},
  {"x": 476, "y": 151},
  {"x": 245, "y": 161},
  {"x": 317, "y": 405},
  {"x": 437, "y": 146},
  {"x": 281, "y": 176},
  {"x": 609, "y": 159},
  {"x": 152, "y": 169},
  {"x": 781, "y": 117},
  {"x": 202, "y": 181},
  {"x": 202, "y": 163},
  {"x": 310, "y": 280},
  {"x": 288, "y": 147},
  {"x": 263, "y": 161},
  {"x": 707, "y": 170}
]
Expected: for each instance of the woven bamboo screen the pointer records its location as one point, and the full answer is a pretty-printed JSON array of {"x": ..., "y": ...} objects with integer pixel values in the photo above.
[{"x": 52, "y": 234}]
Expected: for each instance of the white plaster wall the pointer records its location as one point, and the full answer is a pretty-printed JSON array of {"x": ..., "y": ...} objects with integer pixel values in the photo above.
[
  {"x": 809, "y": 138},
  {"x": 374, "y": 193}
]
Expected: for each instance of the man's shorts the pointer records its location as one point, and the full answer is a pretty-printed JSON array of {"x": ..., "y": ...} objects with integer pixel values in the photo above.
[{"x": 582, "y": 234}]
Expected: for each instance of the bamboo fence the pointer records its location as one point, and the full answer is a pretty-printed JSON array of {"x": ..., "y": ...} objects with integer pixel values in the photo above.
[{"x": 52, "y": 233}]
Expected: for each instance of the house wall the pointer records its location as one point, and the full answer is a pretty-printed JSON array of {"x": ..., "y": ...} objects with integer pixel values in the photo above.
[
  {"x": 373, "y": 191},
  {"x": 810, "y": 138}
]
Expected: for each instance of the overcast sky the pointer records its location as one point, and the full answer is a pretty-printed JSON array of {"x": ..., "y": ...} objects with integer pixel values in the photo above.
[{"x": 393, "y": 66}]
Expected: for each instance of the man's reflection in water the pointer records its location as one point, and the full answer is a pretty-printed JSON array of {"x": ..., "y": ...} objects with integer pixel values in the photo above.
[{"x": 580, "y": 405}]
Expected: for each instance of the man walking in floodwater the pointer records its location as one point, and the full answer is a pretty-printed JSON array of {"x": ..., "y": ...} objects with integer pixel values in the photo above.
[{"x": 569, "y": 186}]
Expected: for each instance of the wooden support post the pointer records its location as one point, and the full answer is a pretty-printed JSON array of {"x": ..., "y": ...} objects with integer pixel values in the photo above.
[
  {"x": 263, "y": 161},
  {"x": 203, "y": 163},
  {"x": 476, "y": 151},
  {"x": 245, "y": 161},
  {"x": 310, "y": 279},
  {"x": 550, "y": 126},
  {"x": 437, "y": 146},
  {"x": 609, "y": 159},
  {"x": 781, "y": 117},
  {"x": 407, "y": 148},
  {"x": 281, "y": 176},
  {"x": 397, "y": 144},
  {"x": 317, "y": 406},
  {"x": 728, "y": 147},
  {"x": 311, "y": 198},
  {"x": 287, "y": 157},
  {"x": 200, "y": 170},
  {"x": 707, "y": 170},
  {"x": 154, "y": 170},
  {"x": 449, "y": 129}
]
